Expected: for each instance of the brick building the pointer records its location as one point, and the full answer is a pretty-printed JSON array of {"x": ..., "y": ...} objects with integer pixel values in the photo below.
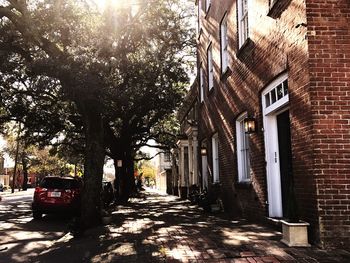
[
  {"x": 283, "y": 65},
  {"x": 186, "y": 173}
]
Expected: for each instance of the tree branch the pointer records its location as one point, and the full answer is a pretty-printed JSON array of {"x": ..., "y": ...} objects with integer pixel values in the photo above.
[
  {"x": 147, "y": 158},
  {"x": 153, "y": 146}
]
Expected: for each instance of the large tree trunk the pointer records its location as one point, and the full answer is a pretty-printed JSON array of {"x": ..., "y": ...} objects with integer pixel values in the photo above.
[
  {"x": 120, "y": 148},
  {"x": 25, "y": 173},
  {"x": 93, "y": 168},
  {"x": 123, "y": 186},
  {"x": 126, "y": 177},
  {"x": 130, "y": 175}
]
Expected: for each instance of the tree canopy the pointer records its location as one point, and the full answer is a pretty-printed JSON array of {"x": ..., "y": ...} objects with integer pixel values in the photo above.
[{"x": 98, "y": 82}]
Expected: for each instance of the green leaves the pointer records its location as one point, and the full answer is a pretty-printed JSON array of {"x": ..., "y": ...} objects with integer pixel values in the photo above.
[{"x": 130, "y": 63}]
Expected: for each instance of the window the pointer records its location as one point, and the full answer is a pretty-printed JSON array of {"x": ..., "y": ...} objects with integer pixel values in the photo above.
[
  {"x": 215, "y": 154},
  {"x": 276, "y": 94},
  {"x": 207, "y": 5},
  {"x": 224, "y": 44},
  {"x": 201, "y": 83},
  {"x": 210, "y": 68},
  {"x": 242, "y": 21},
  {"x": 199, "y": 16},
  {"x": 167, "y": 157},
  {"x": 243, "y": 161}
]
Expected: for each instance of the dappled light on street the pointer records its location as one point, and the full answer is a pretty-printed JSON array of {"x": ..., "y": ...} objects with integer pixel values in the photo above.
[
  {"x": 152, "y": 227},
  {"x": 20, "y": 236}
]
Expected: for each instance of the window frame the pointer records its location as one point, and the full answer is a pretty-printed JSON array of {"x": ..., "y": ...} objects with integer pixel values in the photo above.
[
  {"x": 283, "y": 78},
  {"x": 243, "y": 21},
  {"x": 167, "y": 157},
  {"x": 224, "y": 44},
  {"x": 243, "y": 150},
  {"x": 210, "y": 67},
  {"x": 215, "y": 157},
  {"x": 199, "y": 17},
  {"x": 207, "y": 5},
  {"x": 201, "y": 83}
]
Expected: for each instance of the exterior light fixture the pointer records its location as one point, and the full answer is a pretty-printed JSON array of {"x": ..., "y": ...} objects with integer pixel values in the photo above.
[
  {"x": 249, "y": 125},
  {"x": 119, "y": 163},
  {"x": 203, "y": 151}
]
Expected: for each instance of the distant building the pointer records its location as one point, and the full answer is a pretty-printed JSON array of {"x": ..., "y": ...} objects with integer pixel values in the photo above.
[
  {"x": 164, "y": 174},
  {"x": 187, "y": 144}
]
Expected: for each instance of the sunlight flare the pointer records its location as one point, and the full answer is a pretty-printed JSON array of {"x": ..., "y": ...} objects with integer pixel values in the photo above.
[{"x": 115, "y": 4}]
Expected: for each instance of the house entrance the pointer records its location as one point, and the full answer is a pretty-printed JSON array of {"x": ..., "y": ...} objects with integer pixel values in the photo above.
[
  {"x": 275, "y": 99},
  {"x": 285, "y": 156}
]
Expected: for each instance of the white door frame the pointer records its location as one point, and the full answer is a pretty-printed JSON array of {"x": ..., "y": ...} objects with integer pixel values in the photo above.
[
  {"x": 205, "y": 171},
  {"x": 271, "y": 148}
]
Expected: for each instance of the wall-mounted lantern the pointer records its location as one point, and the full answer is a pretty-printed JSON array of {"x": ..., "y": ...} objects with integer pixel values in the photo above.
[
  {"x": 119, "y": 163},
  {"x": 249, "y": 125},
  {"x": 203, "y": 151}
]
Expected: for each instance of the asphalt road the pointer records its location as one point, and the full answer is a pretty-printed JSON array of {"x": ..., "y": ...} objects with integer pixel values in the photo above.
[{"x": 22, "y": 238}]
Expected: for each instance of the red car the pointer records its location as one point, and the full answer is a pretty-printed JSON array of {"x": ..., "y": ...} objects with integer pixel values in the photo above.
[{"x": 57, "y": 195}]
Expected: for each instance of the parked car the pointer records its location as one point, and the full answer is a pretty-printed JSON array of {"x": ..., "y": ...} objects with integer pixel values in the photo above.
[{"x": 57, "y": 195}]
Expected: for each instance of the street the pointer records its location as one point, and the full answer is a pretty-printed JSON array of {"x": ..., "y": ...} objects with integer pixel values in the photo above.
[
  {"x": 21, "y": 237},
  {"x": 152, "y": 227}
]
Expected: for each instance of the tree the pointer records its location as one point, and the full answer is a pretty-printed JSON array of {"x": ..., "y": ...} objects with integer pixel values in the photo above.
[
  {"x": 149, "y": 82},
  {"x": 53, "y": 39},
  {"x": 148, "y": 172},
  {"x": 31, "y": 158},
  {"x": 43, "y": 163},
  {"x": 113, "y": 77}
]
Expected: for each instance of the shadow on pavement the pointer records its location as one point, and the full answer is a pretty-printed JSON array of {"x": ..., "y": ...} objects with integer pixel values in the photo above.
[
  {"x": 154, "y": 228},
  {"x": 160, "y": 228},
  {"x": 21, "y": 236}
]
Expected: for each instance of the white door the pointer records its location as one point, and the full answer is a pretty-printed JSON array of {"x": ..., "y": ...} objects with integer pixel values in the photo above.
[
  {"x": 275, "y": 98},
  {"x": 272, "y": 166}
]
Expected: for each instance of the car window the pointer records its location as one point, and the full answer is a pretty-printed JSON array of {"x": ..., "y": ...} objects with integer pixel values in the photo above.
[{"x": 59, "y": 183}]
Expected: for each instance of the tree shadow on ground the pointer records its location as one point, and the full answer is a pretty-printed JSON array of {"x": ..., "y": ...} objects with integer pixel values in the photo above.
[
  {"x": 159, "y": 228},
  {"x": 21, "y": 236}
]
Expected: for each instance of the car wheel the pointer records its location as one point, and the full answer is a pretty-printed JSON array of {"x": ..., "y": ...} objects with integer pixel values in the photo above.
[{"x": 37, "y": 215}]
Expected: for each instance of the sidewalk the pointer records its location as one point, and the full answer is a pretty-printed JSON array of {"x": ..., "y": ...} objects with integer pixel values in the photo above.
[
  {"x": 162, "y": 228},
  {"x": 8, "y": 192}
]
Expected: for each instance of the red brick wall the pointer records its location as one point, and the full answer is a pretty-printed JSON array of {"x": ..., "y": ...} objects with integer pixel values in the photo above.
[
  {"x": 329, "y": 51},
  {"x": 277, "y": 45},
  {"x": 311, "y": 42}
]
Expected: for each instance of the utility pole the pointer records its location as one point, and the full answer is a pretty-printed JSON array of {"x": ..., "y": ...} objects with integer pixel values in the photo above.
[{"x": 16, "y": 158}]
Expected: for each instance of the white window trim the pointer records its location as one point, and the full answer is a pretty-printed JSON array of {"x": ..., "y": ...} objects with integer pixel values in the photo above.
[
  {"x": 224, "y": 44},
  {"x": 215, "y": 156},
  {"x": 199, "y": 17},
  {"x": 243, "y": 21},
  {"x": 210, "y": 67},
  {"x": 201, "y": 83},
  {"x": 207, "y": 5},
  {"x": 271, "y": 147},
  {"x": 243, "y": 159},
  {"x": 278, "y": 104}
]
